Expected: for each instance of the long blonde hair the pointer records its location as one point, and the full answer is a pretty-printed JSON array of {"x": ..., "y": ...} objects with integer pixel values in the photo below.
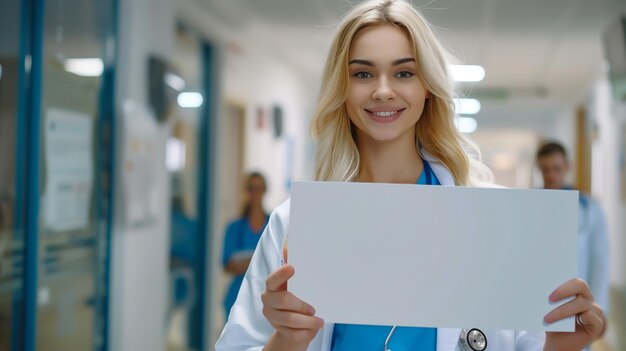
[{"x": 337, "y": 156}]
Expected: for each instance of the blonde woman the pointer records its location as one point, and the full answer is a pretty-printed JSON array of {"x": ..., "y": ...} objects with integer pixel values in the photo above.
[{"x": 385, "y": 114}]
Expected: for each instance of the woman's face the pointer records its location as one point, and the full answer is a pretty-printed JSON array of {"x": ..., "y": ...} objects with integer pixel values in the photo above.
[
  {"x": 386, "y": 97},
  {"x": 255, "y": 190}
]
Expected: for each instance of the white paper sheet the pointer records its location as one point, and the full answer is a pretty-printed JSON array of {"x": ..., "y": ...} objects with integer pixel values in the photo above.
[{"x": 432, "y": 256}]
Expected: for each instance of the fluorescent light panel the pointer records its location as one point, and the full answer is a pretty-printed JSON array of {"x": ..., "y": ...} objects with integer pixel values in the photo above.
[
  {"x": 190, "y": 99},
  {"x": 464, "y": 106},
  {"x": 467, "y": 73},
  {"x": 176, "y": 154},
  {"x": 466, "y": 125},
  {"x": 85, "y": 67}
]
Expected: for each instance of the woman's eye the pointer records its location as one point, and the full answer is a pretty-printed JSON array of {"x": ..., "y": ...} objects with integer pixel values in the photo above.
[
  {"x": 362, "y": 75},
  {"x": 404, "y": 74}
]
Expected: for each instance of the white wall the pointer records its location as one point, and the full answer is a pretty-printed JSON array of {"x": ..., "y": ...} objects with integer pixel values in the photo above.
[
  {"x": 140, "y": 256},
  {"x": 564, "y": 131},
  {"x": 275, "y": 84},
  {"x": 606, "y": 185},
  {"x": 607, "y": 153}
]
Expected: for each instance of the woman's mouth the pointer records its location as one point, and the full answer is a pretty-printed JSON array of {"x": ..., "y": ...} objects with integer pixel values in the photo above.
[{"x": 385, "y": 116}]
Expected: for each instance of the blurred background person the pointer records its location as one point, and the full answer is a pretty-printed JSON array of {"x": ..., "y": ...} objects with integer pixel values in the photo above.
[
  {"x": 593, "y": 242},
  {"x": 242, "y": 236}
]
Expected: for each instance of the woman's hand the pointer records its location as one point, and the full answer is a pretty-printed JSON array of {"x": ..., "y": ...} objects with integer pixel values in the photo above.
[
  {"x": 293, "y": 319},
  {"x": 589, "y": 316},
  {"x": 238, "y": 267}
]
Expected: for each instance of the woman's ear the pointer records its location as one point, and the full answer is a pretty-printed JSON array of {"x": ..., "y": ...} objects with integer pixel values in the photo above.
[{"x": 427, "y": 94}]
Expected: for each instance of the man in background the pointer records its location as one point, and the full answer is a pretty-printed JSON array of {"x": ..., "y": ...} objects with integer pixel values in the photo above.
[{"x": 593, "y": 243}]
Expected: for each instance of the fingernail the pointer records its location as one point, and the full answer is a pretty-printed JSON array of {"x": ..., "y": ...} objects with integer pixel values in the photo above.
[
  {"x": 546, "y": 318},
  {"x": 553, "y": 296},
  {"x": 311, "y": 310}
]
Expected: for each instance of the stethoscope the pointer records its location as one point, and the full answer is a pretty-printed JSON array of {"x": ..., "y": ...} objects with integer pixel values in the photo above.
[
  {"x": 469, "y": 340},
  {"x": 472, "y": 340}
]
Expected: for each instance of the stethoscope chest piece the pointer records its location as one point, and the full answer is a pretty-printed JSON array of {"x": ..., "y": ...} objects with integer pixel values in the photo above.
[{"x": 472, "y": 340}]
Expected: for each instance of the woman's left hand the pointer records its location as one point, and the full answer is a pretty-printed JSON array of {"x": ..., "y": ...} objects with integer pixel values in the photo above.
[{"x": 589, "y": 316}]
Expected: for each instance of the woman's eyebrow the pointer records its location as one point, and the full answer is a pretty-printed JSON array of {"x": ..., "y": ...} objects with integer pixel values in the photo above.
[
  {"x": 370, "y": 63},
  {"x": 361, "y": 62},
  {"x": 403, "y": 60}
]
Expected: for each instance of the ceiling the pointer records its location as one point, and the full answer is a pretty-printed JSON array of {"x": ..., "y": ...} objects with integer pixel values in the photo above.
[{"x": 540, "y": 56}]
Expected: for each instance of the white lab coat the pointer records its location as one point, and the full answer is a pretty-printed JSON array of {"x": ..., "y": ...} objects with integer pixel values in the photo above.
[
  {"x": 247, "y": 329},
  {"x": 593, "y": 250}
]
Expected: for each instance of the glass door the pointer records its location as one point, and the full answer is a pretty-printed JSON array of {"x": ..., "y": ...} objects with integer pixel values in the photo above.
[
  {"x": 74, "y": 173},
  {"x": 56, "y": 98},
  {"x": 11, "y": 178}
]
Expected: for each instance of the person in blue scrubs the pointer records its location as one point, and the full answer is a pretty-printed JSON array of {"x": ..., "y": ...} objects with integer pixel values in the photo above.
[{"x": 242, "y": 236}]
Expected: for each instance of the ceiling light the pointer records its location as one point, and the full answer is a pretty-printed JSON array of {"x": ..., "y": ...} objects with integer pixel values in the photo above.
[
  {"x": 190, "y": 99},
  {"x": 466, "y": 125},
  {"x": 467, "y": 73},
  {"x": 466, "y": 106},
  {"x": 86, "y": 67}
]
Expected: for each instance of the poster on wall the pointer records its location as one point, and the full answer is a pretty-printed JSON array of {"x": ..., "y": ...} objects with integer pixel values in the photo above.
[
  {"x": 140, "y": 166},
  {"x": 69, "y": 165},
  {"x": 622, "y": 163}
]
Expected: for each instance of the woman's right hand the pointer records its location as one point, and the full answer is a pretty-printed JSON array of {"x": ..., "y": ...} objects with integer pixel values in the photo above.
[{"x": 293, "y": 319}]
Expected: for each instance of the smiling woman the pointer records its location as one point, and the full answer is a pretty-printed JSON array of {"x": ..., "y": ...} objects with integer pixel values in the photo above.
[
  {"x": 388, "y": 88},
  {"x": 385, "y": 115}
]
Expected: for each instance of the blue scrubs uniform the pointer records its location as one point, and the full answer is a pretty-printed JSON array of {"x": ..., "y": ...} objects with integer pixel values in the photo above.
[
  {"x": 369, "y": 337},
  {"x": 240, "y": 240}
]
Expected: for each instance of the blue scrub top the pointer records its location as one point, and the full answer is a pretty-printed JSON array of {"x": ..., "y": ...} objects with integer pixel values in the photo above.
[
  {"x": 371, "y": 337},
  {"x": 240, "y": 240}
]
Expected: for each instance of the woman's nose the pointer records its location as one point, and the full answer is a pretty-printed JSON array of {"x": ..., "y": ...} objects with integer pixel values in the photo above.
[{"x": 383, "y": 91}]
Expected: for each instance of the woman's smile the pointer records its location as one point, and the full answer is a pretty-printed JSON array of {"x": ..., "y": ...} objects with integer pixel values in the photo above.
[{"x": 384, "y": 115}]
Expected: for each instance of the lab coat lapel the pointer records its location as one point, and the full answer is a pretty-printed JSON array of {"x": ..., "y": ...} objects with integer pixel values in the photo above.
[
  {"x": 448, "y": 339},
  {"x": 327, "y": 338},
  {"x": 443, "y": 174}
]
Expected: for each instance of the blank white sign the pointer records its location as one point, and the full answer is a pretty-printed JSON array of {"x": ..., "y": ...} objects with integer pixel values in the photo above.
[{"x": 432, "y": 256}]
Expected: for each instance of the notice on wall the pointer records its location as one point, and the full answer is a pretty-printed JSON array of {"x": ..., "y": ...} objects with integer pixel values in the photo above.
[
  {"x": 142, "y": 156},
  {"x": 69, "y": 166}
]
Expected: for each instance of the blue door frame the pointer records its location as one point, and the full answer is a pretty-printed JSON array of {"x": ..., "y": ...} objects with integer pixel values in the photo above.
[
  {"x": 199, "y": 336},
  {"x": 32, "y": 119},
  {"x": 28, "y": 151}
]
